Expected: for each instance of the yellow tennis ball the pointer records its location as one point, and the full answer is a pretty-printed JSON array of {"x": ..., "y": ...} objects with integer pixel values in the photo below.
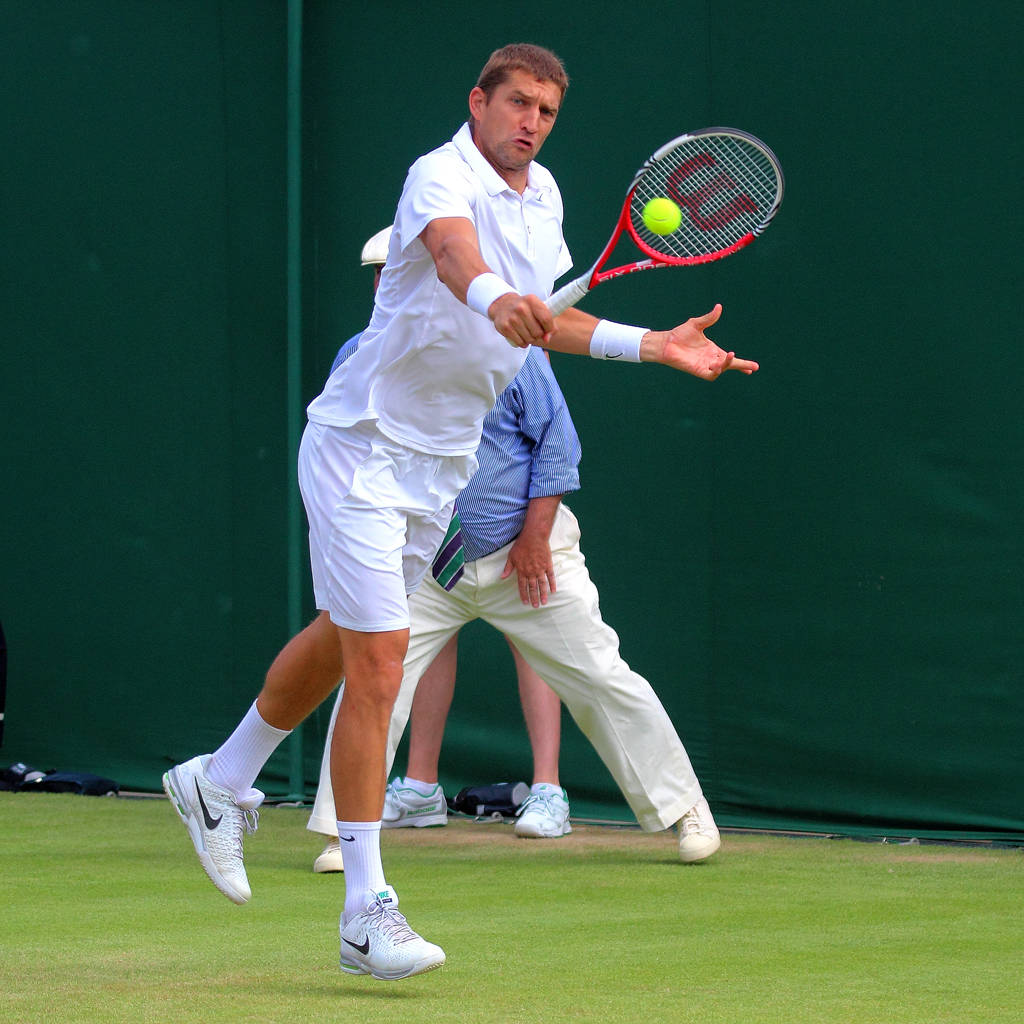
[{"x": 662, "y": 216}]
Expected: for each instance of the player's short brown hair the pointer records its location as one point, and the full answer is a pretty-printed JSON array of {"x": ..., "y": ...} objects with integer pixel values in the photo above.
[{"x": 539, "y": 62}]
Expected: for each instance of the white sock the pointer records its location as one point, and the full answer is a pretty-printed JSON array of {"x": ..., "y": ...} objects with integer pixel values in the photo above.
[
  {"x": 360, "y": 846},
  {"x": 235, "y": 765},
  {"x": 423, "y": 788}
]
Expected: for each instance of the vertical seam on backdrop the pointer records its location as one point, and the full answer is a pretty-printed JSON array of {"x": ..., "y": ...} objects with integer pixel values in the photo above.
[
  {"x": 229, "y": 330},
  {"x": 714, "y": 562}
]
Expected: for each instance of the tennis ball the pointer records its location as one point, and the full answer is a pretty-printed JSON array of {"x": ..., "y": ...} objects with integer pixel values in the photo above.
[{"x": 662, "y": 216}]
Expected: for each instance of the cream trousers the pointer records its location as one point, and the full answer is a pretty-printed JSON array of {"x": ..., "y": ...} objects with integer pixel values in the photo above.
[{"x": 572, "y": 649}]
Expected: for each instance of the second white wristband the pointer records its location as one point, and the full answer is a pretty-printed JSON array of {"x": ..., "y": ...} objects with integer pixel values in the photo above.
[
  {"x": 483, "y": 290},
  {"x": 617, "y": 341}
]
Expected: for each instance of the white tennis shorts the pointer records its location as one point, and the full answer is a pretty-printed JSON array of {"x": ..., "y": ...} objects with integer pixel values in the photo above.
[{"x": 377, "y": 514}]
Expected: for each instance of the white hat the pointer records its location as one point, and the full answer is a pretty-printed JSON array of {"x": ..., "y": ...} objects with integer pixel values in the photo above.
[{"x": 376, "y": 249}]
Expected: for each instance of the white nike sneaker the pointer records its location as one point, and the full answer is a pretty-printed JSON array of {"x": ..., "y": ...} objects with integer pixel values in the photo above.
[
  {"x": 404, "y": 807},
  {"x": 379, "y": 942},
  {"x": 330, "y": 858},
  {"x": 215, "y": 822},
  {"x": 544, "y": 814},
  {"x": 698, "y": 834}
]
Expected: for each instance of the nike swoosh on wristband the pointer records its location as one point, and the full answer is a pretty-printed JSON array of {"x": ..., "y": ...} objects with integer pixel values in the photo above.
[
  {"x": 610, "y": 356},
  {"x": 364, "y": 948},
  {"x": 211, "y": 823},
  {"x": 347, "y": 839}
]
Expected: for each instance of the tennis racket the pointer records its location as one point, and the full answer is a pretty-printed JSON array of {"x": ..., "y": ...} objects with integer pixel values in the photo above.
[{"x": 728, "y": 186}]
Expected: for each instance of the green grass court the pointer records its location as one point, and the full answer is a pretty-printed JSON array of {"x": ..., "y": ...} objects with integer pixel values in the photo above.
[{"x": 107, "y": 917}]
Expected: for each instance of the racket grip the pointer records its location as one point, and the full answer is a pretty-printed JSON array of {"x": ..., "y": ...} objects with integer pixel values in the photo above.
[{"x": 568, "y": 295}]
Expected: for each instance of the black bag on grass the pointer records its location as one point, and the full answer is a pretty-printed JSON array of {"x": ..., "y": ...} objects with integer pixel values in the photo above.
[
  {"x": 498, "y": 800},
  {"x": 23, "y": 779}
]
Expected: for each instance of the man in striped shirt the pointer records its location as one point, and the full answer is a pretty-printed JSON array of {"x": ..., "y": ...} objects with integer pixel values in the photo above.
[{"x": 525, "y": 575}]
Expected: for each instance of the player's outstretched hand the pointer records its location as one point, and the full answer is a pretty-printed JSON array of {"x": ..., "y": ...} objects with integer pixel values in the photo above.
[
  {"x": 688, "y": 348},
  {"x": 522, "y": 320}
]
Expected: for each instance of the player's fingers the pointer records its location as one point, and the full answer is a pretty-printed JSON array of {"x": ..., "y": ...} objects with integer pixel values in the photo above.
[
  {"x": 530, "y": 319},
  {"x": 702, "y": 323},
  {"x": 508, "y": 328},
  {"x": 542, "y": 315},
  {"x": 744, "y": 365},
  {"x": 718, "y": 361},
  {"x": 524, "y": 328},
  {"x": 516, "y": 341}
]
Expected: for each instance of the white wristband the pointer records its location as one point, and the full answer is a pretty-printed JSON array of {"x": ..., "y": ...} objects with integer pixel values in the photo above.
[
  {"x": 483, "y": 290},
  {"x": 617, "y": 341}
]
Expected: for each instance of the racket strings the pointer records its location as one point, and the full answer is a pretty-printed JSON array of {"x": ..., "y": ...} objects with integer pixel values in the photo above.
[{"x": 726, "y": 189}]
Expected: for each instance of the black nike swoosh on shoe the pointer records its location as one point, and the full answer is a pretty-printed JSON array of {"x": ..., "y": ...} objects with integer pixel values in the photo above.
[
  {"x": 211, "y": 823},
  {"x": 364, "y": 948},
  {"x": 347, "y": 839}
]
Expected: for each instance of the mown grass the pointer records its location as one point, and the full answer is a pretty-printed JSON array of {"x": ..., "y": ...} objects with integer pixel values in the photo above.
[{"x": 107, "y": 917}]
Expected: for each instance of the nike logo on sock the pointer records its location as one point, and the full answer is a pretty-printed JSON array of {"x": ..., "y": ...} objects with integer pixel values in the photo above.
[
  {"x": 347, "y": 839},
  {"x": 211, "y": 823},
  {"x": 363, "y": 948}
]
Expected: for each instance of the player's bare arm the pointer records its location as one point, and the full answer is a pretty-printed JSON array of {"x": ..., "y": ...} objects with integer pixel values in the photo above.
[
  {"x": 685, "y": 347},
  {"x": 521, "y": 320},
  {"x": 572, "y": 333},
  {"x": 452, "y": 244}
]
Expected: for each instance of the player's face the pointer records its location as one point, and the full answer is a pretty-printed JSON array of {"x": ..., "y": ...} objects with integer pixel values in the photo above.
[{"x": 512, "y": 124}]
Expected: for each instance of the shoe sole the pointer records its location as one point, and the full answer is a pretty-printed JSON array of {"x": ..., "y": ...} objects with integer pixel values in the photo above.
[
  {"x": 543, "y": 835},
  {"x": 418, "y": 968},
  {"x": 426, "y": 822},
  {"x": 539, "y": 834},
  {"x": 195, "y": 832}
]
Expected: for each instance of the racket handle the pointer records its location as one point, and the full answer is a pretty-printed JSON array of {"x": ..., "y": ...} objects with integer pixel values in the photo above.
[{"x": 568, "y": 295}]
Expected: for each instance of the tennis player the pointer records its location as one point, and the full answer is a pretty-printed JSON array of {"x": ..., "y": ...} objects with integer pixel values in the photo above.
[
  {"x": 544, "y": 442},
  {"x": 477, "y": 246}
]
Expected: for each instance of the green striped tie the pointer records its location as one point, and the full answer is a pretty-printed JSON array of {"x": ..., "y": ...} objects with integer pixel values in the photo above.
[{"x": 450, "y": 561}]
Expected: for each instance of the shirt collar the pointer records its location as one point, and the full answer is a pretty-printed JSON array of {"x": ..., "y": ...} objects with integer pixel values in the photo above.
[{"x": 493, "y": 182}]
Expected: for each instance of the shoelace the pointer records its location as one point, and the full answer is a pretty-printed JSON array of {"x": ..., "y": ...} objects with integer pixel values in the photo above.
[
  {"x": 544, "y": 802},
  {"x": 395, "y": 805},
  {"x": 250, "y": 821},
  {"x": 392, "y": 923},
  {"x": 392, "y": 805},
  {"x": 239, "y": 822},
  {"x": 690, "y": 823}
]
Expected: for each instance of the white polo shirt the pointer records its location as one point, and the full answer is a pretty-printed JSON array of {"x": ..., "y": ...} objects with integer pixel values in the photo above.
[{"x": 428, "y": 368}]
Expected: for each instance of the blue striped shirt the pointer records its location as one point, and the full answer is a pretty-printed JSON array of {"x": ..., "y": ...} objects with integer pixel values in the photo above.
[{"x": 529, "y": 449}]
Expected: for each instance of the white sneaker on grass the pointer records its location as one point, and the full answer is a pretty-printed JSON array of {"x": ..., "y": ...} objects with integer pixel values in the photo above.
[
  {"x": 379, "y": 942},
  {"x": 330, "y": 859},
  {"x": 698, "y": 834},
  {"x": 216, "y": 823},
  {"x": 544, "y": 814},
  {"x": 405, "y": 807}
]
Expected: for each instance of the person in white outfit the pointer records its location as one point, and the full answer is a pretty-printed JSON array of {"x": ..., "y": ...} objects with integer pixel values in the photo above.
[
  {"x": 390, "y": 443},
  {"x": 526, "y": 459}
]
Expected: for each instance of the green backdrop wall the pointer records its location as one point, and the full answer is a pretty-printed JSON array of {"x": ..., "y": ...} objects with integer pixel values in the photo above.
[{"x": 821, "y": 568}]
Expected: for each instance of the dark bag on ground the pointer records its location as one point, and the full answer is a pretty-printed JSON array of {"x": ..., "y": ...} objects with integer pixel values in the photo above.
[
  {"x": 23, "y": 779},
  {"x": 500, "y": 799}
]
